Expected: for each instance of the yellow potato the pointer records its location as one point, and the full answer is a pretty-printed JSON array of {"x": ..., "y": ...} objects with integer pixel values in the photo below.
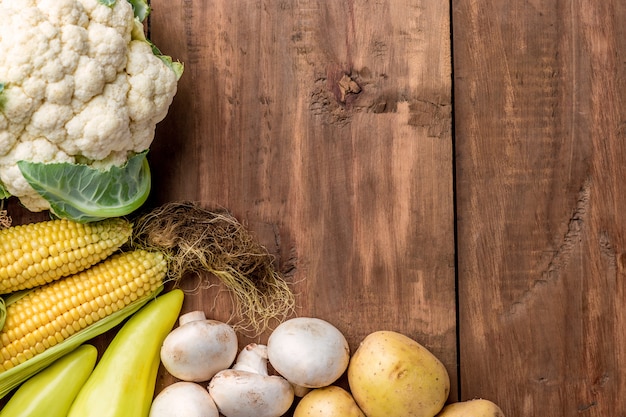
[
  {"x": 472, "y": 408},
  {"x": 391, "y": 375},
  {"x": 331, "y": 401}
]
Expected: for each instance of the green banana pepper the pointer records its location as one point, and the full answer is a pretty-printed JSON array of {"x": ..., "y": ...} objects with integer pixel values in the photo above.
[
  {"x": 123, "y": 382},
  {"x": 50, "y": 392}
]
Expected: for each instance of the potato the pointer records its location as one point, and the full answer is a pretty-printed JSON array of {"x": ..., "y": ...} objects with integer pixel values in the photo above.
[
  {"x": 331, "y": 401},
  {"x": 392, "y": 375},
  {"x": 472, "y": 408}
]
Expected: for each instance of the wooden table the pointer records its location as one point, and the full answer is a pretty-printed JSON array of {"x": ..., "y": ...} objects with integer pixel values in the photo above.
[{"x": 450, "y": 171}]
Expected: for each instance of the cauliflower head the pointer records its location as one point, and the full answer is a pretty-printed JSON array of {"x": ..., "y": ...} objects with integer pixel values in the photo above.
[{"x": 79, "y": 84}]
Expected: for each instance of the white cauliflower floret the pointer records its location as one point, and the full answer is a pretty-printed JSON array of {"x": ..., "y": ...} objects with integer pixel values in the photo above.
[
  {"x": 63, "y": 12},
  {"x": 78, "y": 82},
  {"x": 101, "y": 127},
  {"x": 49, "y": 121}
]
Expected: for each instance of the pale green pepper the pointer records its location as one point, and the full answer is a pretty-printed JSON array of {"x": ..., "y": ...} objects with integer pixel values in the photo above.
[
  {"x": 123, "y": 382},
  {"x": 50, "y": 393}
]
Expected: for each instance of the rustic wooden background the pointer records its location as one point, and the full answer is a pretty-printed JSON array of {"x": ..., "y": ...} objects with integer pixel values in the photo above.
[{"x": 449, "y": 170}]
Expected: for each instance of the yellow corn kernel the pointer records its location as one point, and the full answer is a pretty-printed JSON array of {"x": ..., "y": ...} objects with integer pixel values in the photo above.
[
  {"x": 38, "y": 253},
  {"x": 30, "y": 325}
]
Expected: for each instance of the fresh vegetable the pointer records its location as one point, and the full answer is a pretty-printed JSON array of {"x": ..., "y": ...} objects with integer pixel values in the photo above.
[
  {"x": 86, "y": 304},
  {"x": 248, "y": 390},
  {"x": 49, "y": 321},
  {"x": 38, "y": 253},
  {"x": 392, "y": 375},
  {"x": 183, "y": 399},
  {"x": 472, "y": 408},
  {"x": 51, "y": 392},
  {"x": 81, "y": 92},
  {"x": 198, "y": 348},
  {"x": 123, "y": 382},
  {"x": 330, "y": 401},
  {"x": 44, "y": 323},
  {"x": 309, "y": 352}
]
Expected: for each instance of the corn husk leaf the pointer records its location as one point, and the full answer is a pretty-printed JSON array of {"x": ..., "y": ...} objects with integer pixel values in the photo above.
[{"x": 13, "y": 377}]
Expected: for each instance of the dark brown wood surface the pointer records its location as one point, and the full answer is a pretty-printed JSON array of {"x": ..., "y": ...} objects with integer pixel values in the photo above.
[
  {"x": 326, "y": 128},
  {"x": 487, "y": 227},
  {"x": 539, "y": 134}
]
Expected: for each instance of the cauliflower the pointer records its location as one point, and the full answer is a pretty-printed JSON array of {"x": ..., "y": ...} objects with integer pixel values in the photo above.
[{"x": 80, "y": 85}]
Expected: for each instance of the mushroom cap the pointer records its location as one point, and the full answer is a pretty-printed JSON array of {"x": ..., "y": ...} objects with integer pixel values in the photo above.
[
  {"x": 309, "y": 352},
  {"x": 242, "y": 394},
  {"x": 183, "y": 399},
  {"x": 198, "y": 349}
]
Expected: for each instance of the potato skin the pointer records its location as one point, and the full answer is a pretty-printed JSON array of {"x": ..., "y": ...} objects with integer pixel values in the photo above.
[
  {"x": 472, "y": 408},
  {"x": 331, "y": 401},
  {"x": 392, "y": 375}
]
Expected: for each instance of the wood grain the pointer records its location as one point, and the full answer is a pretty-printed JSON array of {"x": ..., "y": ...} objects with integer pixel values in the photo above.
[
  {"x": 326, "y": 128},
  {"x": 539, "y": 122}
]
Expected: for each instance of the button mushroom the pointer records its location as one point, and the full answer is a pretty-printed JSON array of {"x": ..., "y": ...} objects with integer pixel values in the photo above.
[
  {"x": 308, "y": 352},
  {"x": 248, "y": 390},
  {"x": 183, "y": 399},
  {"x": 198, "y": 348}
]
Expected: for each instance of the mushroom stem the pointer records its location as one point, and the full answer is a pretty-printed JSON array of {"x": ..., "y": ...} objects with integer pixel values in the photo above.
[
  {"x": 191, "y": 316},
  {"x": 246, "y": 389},
  {"x": 299, "y": 391},
  {"x": 252, "y": 358}
]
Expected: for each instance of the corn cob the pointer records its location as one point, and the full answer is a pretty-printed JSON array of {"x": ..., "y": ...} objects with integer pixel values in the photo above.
[
  {"x": 49, "y": 315},
  {"x": 38, "y": 253}
]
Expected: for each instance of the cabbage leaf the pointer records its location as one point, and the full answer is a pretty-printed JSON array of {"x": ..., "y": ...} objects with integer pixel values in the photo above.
[
  {"x": 3, "y": 192},
  {"x": 2, "y": 97},
  {"x": 85, "y": 194},
  {"x": 141, "y": 9}
]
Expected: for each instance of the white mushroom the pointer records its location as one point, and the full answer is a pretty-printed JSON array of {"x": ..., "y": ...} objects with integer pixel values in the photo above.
[
  {"x": 308, "y": 352},
  {"x": 183, "y": 399},
  {"x": 248, "y": 390},
  {"x": 198, "y": 348}
]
